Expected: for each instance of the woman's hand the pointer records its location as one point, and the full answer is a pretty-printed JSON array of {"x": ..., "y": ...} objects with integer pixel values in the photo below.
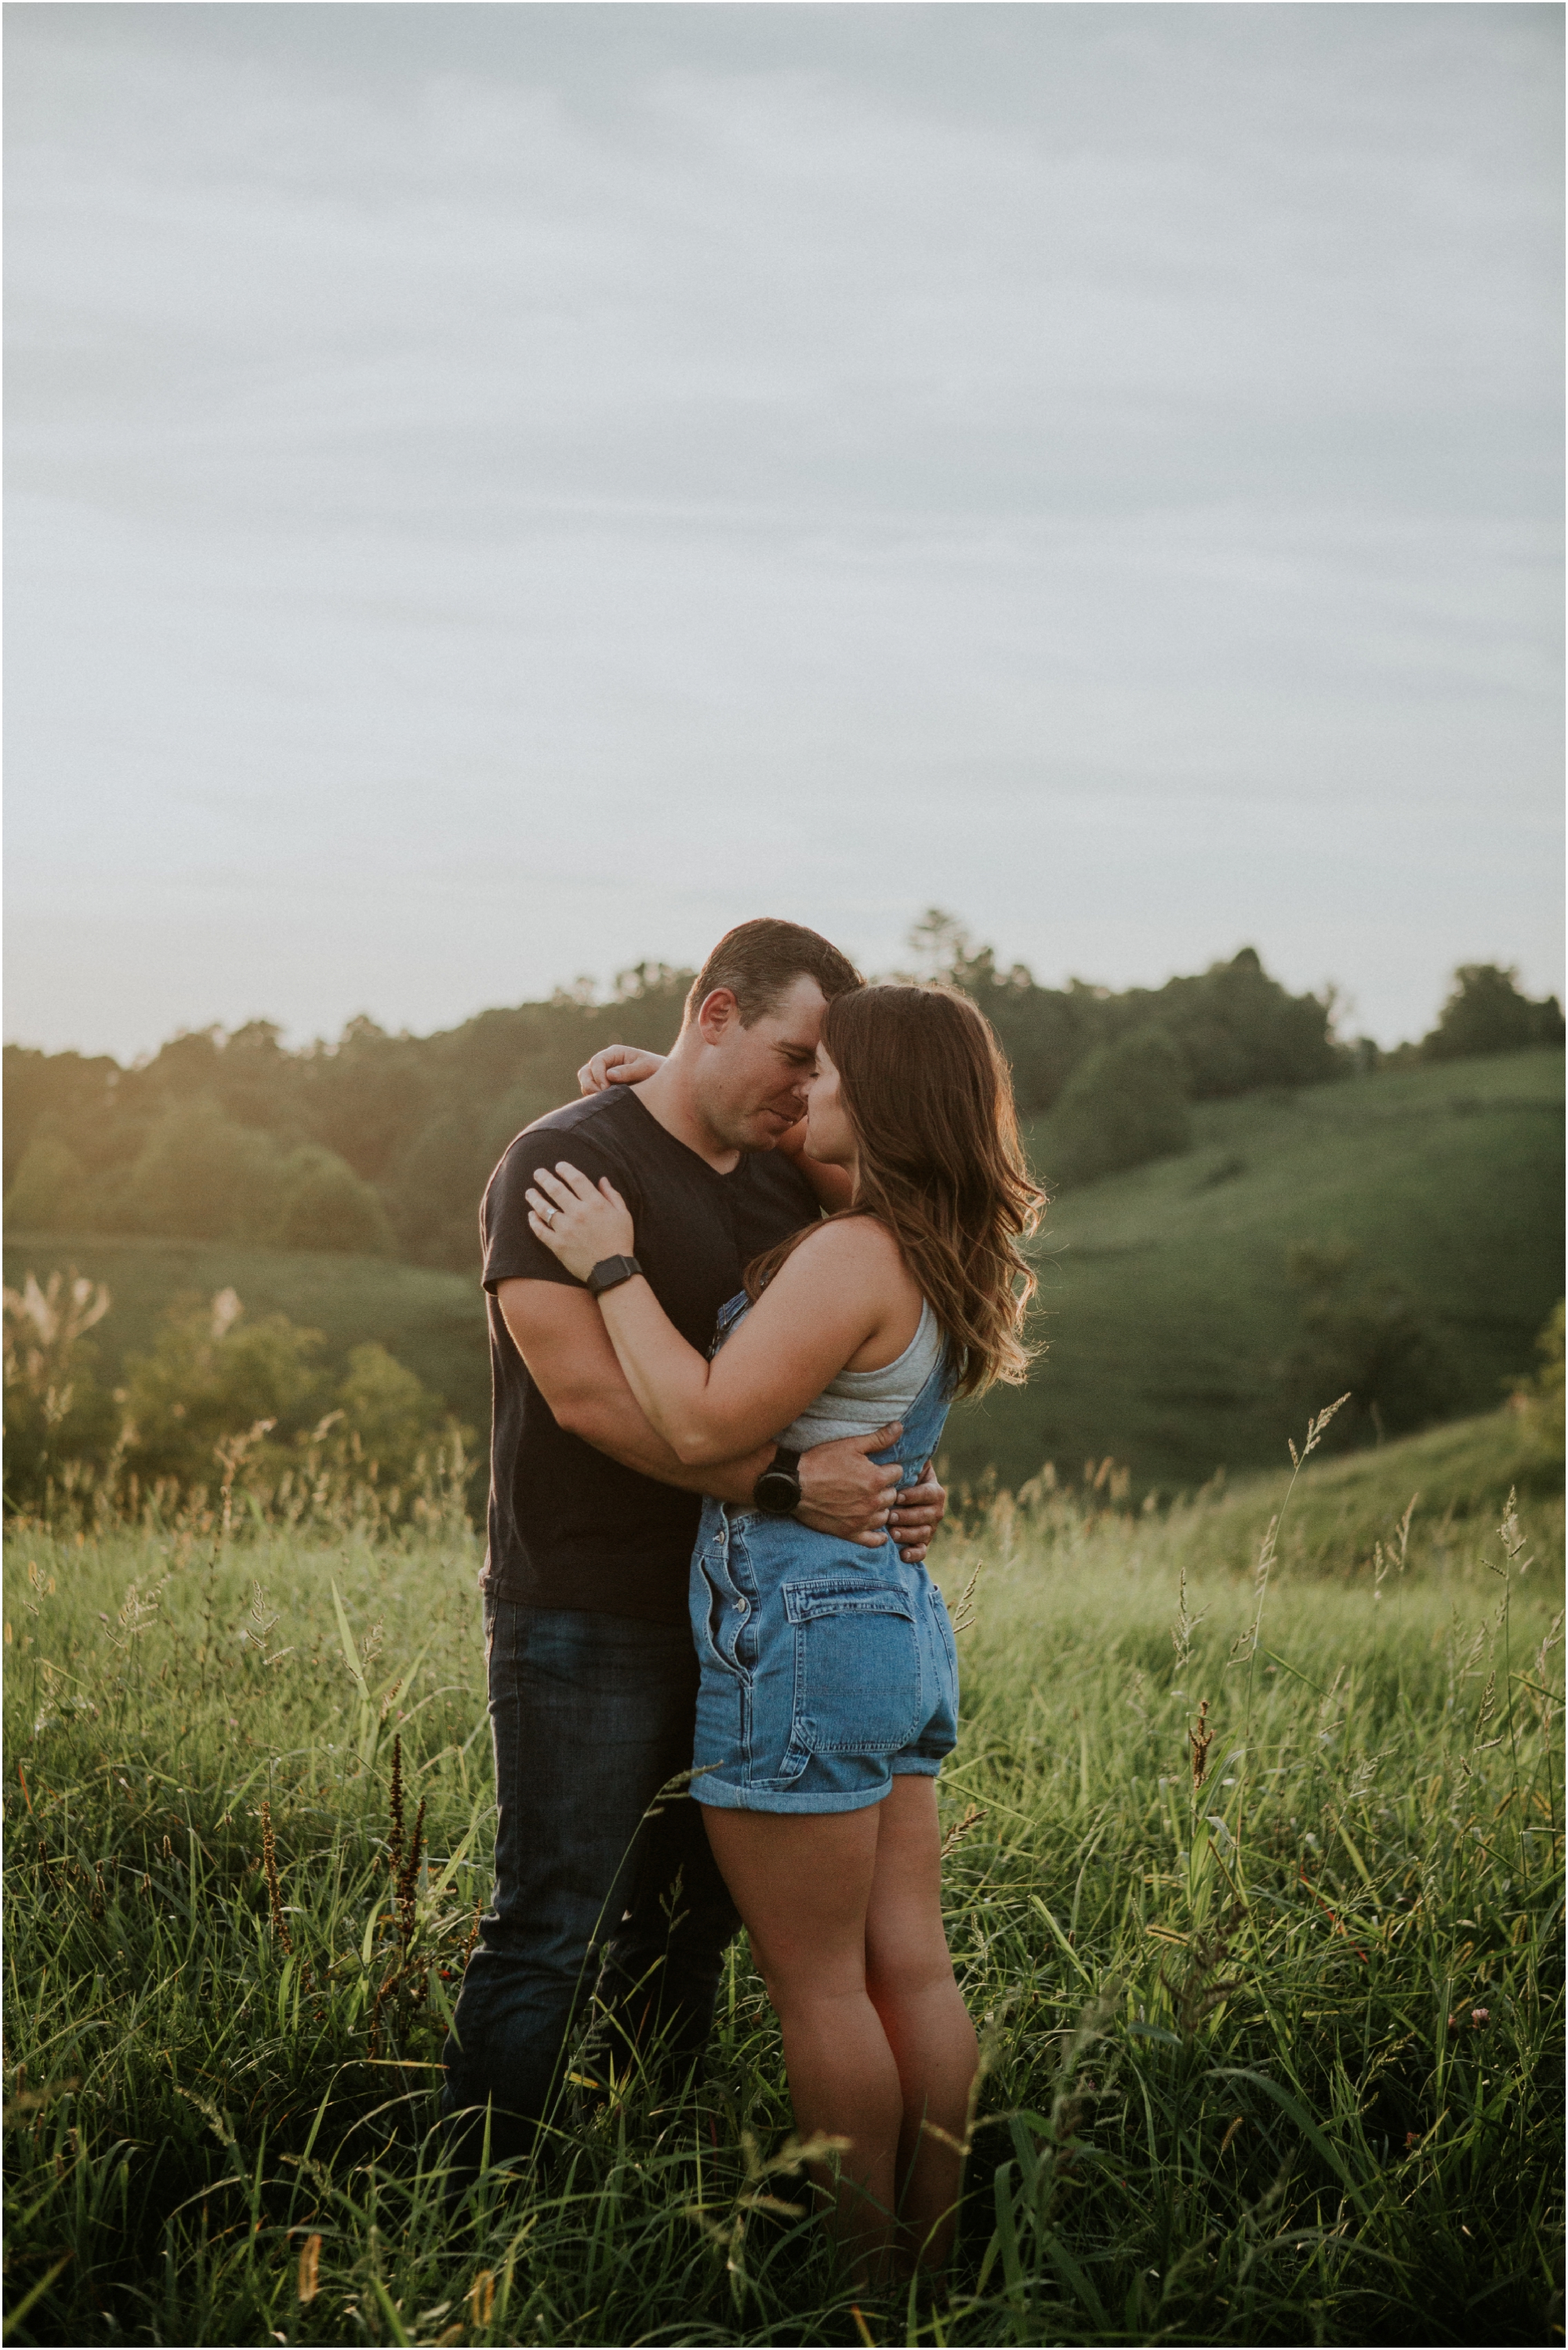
[
  {"x": 578, "y": 1223},
  {"x": 618, "y": 1065}
]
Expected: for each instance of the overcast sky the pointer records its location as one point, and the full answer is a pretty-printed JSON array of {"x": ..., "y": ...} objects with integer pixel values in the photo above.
[{"x": 499, "y": 492}]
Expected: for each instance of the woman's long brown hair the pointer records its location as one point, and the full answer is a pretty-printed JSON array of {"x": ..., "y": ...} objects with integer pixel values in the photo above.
[{"x": 926, "y": 1088}]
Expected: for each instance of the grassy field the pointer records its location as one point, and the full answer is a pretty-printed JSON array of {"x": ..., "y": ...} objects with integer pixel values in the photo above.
[
  {"x": 1277, "y": 2058},
  {"x": 1166, "y": 1308},
  {"x": 1167, "y": 1302}
]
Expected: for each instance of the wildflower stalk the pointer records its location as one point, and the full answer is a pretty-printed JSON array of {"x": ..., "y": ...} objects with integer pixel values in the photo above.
[{"x": 273, "y": 1891}]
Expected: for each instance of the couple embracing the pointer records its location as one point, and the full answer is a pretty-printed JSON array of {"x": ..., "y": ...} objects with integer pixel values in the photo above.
[{"x": 732, "y": 1296}]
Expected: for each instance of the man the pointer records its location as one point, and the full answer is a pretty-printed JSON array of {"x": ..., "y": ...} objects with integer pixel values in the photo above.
[{"x": 592, "y": 1671}]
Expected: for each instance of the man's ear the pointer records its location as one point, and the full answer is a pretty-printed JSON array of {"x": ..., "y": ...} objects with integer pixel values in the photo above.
[{"x": 716, "y": 1015}]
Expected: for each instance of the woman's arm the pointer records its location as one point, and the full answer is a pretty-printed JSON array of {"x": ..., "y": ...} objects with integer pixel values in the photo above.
[{"x": 839, "y": 1289}]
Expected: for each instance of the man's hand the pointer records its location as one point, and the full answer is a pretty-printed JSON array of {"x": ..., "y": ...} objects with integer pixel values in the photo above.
[
  {"x": 917, "y": 1514},
  {"x": 618, "y": 1065},
  {"x": 844, "y": 1493},
  {"x": 561, "y": 1335}
]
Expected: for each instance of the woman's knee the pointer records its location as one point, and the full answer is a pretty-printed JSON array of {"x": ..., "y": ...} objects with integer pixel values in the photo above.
[
  {"x": 909, "y": 1976},
  {"x": 799, "y": 1978}
]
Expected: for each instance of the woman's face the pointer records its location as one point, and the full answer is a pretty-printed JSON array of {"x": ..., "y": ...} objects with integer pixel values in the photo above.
[{"x": 828, "y": 1133}]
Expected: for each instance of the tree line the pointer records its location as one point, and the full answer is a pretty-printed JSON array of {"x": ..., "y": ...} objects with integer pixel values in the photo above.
[{"x": 381, "y": 1144}]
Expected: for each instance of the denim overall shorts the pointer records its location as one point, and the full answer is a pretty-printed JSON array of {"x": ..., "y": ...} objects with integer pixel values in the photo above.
[{"x": 826, "y": 1670}]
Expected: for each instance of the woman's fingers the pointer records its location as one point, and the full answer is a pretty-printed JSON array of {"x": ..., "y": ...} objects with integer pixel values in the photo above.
[
  {"x": 563, "y": 1182},
  {"x": 594, "y": 1077},
  {"x": 565, "y": 1187},
  {"x": 574, "y": 1179},
  {"x": 618, "y": 1065},
  {"x": 580, "y": 1221}
]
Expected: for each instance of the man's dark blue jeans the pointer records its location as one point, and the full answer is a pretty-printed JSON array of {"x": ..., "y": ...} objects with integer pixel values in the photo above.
[{"x": 591, "y": 1716}]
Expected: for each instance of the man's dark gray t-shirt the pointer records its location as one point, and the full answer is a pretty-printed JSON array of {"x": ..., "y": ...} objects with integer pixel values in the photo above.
[{"x": 569, "y": 1527}]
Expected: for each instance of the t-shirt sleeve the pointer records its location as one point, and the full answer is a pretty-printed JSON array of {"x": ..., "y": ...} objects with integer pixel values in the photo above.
[{"x": 511, "y": 1250}]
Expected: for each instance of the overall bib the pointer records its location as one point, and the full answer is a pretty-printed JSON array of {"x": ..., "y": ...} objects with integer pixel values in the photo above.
[{"x": 826, "y": 1670}]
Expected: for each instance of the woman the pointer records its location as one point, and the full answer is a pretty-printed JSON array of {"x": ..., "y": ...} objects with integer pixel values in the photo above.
[{"x": 829, "y": 1690}]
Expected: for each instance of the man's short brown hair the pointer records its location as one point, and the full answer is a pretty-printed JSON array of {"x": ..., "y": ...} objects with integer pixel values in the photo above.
[{"x": 759, "y": 961}]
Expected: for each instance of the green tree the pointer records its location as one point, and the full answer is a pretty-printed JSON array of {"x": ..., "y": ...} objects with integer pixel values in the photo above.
[
  {"x": 47, "y": 1192},
  {"x": 368, "y": 1094},
  {"x": 212, "y": 1376},
  {"x": 1237, "y": 1029},
  {"x": 199, "y": 1177},
  {"x": 62, "y": 1092},
  {"x": 435, "y": 1189},
  {"x": 1486, "y": 1012},
  {"x": 1234, "y": 1026},
  {"x": 325, "y": 1205},
  {"x": 394, "y": 1415},
  {"x": 1123, "y": 1104}
]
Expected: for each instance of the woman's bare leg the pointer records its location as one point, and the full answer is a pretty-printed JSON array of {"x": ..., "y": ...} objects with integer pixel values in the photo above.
[
  {"x": 803, "y": 1882},
  {"x": 909, "y": 1978}
]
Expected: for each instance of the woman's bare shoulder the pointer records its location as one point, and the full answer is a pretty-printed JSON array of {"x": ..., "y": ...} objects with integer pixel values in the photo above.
[{"x": 848, "y": 1244}]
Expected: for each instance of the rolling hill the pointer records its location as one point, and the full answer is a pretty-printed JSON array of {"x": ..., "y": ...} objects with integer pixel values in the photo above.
[{"x": 1167, "y": 1306}]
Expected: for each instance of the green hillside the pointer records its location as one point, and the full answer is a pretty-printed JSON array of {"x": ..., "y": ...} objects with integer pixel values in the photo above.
[
  {"x": 434, "y": 1322},
  {"x": 1166, "y": 1304}
]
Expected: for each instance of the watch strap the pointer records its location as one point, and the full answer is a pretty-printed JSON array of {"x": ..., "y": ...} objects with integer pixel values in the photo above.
[{"x": 610, "y": 1272}]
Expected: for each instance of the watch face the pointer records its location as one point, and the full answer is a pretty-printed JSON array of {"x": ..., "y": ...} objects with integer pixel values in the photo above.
[{"x": 777, "y": 1490}]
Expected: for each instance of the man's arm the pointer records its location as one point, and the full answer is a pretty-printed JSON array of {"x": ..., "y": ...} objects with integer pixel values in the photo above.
[{"x": 560, "y": 1335}]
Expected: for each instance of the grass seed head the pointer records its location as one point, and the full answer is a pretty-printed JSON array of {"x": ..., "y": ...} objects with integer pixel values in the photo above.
[
  {"x": 1201, "y": 1738},
  {"x": 973, "y": 1814},
  {"x": 273, "y": 1891},
  {"x": 409, "y": 1879},
  {"x": 309, "y": 2269},
  {"x": 395, "y": 1805}
]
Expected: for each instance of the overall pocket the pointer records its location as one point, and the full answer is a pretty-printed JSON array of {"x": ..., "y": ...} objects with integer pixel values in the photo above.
[{"x": 857, "y": 1680}]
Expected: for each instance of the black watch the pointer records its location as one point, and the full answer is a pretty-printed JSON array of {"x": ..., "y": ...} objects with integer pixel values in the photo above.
[
  {"x": 777, "y": 1491},
  {"x": 610, "y": 1272}
]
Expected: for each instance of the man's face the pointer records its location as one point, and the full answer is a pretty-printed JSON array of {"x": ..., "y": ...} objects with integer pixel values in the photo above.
[{"x": 751, "y": 1082}]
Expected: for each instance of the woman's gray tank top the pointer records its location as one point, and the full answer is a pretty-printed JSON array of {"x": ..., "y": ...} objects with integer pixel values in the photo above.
[{"x": 857, "y": 1403}]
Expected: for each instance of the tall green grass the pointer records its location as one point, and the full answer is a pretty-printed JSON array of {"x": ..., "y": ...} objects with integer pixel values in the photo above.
[{"x": 1275, "y": 2057}]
